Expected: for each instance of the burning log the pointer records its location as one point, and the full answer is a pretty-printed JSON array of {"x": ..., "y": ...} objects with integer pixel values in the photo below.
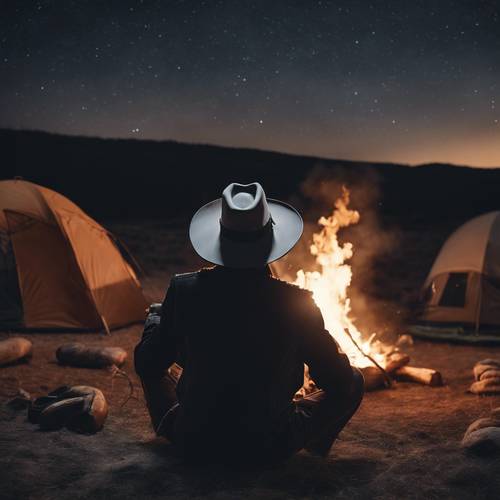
[
  {"x": 395, "y": 361},
  {"x": 405, "y": 340},
  {"x": 426, "y": 376},
  {"x": 374, "y": 378},
  {"x": 329, "y": 285}
]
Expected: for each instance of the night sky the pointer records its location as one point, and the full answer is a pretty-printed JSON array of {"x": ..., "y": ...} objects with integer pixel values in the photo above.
[{"x": 392, "y": 80}]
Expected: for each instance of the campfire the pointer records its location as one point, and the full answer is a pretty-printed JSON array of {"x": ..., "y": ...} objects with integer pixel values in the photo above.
[{"x": 330, "y": 285}]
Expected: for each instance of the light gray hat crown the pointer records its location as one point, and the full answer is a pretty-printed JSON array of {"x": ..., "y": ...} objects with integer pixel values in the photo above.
[
  {"x": 244, "y": 207},
  {"x": 244, "y": 229}
]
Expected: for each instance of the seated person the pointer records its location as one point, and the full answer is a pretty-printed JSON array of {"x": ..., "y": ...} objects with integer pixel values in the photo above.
[{"x": 242, "y": 338}]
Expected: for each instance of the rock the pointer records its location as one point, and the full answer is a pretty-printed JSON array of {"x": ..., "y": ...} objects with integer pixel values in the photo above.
[
  {"x": 484, "y": 365},
  {"x": 486, "y": 386},
  {"x": 374, "y": 378},
  {"x": 490, "y": 373},
  {"x": 14, "y": 349},
  {"x": 481, "y": 423},
  {"x": 485, "y": 441},
  {"x": 489, "y": 361},
  {"x": 495, "y": 413}
]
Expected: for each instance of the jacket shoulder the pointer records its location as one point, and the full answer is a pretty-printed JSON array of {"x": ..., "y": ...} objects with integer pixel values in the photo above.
[
  {"x": 291, "y": 288},
  {"x": 185, "y": 276},
  {"x": 186, "y": 279},
  {"x": 301, "y": 309}
]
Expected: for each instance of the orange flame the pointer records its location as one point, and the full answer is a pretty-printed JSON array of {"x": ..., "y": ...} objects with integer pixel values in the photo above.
[{"x": 330, "y": 285}]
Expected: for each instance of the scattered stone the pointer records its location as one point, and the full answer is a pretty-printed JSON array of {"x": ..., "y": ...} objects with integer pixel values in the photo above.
[
  {"x": 495, "y": 413},
  {"x": 489, "y": 361},
  {"x": 485, "y": 441},
  {"x": 487, "y": 375},
  {"x": 80, "y": 355},
  {"x": 484, "y": 365},
  {"x": 486, "y": 386},
  {"x": 481, "y": 423},
  {"x": 490, "y": 373},
  {"x": 14, "y": 349}
]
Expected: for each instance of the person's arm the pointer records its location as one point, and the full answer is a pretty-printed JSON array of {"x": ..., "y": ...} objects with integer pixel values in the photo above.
[
  {"x": 328, "y": 367},
  {"x": 159, "y": 346}
]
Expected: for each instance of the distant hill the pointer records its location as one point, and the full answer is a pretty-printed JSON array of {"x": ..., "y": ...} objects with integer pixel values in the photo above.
[{"x": 135, "y": 178}]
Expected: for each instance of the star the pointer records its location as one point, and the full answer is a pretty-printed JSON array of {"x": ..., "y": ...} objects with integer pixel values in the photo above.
[{"x": 198, "y": 72}]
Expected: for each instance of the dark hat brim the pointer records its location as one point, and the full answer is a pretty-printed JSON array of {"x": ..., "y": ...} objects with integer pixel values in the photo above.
[{"x": 209, "y": 244}]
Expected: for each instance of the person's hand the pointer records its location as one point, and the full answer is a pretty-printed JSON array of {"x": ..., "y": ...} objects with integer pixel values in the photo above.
[
  {"x": 154, "y": 308},
  {"x": 154, "y": 316}
]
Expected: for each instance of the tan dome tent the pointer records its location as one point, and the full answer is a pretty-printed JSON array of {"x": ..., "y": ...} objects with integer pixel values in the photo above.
[
  {"x": 462, "y": 290},
  {"x": 60, "y": 269}
]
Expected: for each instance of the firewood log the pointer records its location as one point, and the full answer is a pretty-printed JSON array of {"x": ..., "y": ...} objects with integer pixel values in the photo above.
[
  {"x": 14, "y": 349},
  {"x": 81, "y": 355},
  {"x": 395, "y": 361},
  {"x": 426, "y": 376},
  {"x": 374, "y": 378}
]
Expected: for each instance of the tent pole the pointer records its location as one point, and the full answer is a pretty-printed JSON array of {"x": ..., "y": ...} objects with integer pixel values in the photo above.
[
  {"x": 479, "y": 303},
  {"x": 105, "y": 324},
  {"x": 121, "y": 246}
]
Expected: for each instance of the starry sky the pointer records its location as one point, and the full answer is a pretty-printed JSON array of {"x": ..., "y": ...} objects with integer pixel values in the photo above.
[{"x": 407, "y": 81}]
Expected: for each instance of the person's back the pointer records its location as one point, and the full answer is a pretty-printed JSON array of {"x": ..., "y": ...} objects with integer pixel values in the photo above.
[
  {"x": 242, "y": 338},
  {"x": 245, "y": 365}
]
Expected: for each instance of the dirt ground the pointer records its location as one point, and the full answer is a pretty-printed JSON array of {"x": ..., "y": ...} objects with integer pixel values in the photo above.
[{"x": 402, "y": 443}]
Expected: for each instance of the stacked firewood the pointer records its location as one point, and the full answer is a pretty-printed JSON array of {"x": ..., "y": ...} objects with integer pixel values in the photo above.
[
  {"x": 377, "y": 376},
  {"x": 396, "y": 367}
]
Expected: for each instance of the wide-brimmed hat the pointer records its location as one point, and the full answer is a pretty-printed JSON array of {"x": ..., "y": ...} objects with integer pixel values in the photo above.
[{"x": 244, "y": 229}]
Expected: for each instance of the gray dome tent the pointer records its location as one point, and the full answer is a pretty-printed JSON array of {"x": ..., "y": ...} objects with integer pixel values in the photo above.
[{"x": 462, "y": 290}]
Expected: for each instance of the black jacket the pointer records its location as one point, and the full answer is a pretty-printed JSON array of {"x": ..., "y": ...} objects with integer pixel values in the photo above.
[{"x": 242, "y": 338}]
